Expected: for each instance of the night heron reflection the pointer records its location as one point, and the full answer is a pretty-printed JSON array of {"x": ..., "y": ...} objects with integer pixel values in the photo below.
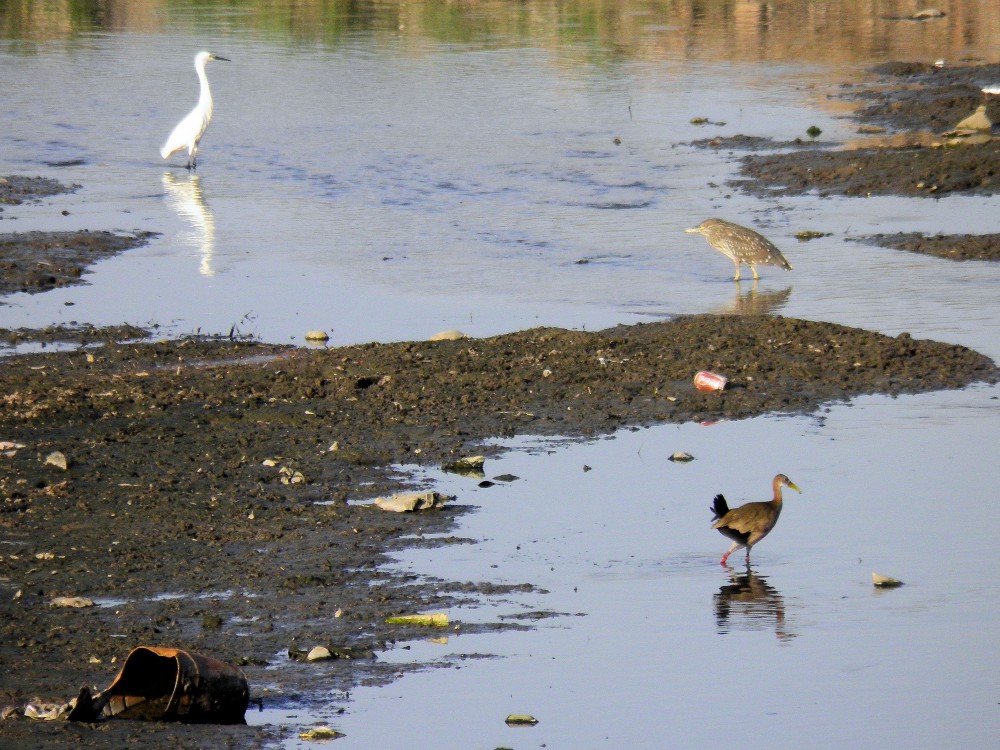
[{"x": 740, "y": 245}]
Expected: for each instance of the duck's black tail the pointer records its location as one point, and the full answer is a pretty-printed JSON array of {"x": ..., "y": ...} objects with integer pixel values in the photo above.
[{"x": 719, "y": 507}]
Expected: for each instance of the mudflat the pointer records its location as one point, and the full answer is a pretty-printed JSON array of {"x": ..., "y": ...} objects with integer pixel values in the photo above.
[{"x": 214, "y": 493}]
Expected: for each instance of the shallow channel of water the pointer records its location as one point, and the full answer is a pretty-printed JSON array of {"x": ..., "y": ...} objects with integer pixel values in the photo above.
[{"x": 387, "y": 171}]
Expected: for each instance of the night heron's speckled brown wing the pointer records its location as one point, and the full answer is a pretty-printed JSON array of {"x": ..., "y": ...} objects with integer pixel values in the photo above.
[
  {"x": 741, "y": 245},
  {"x": 745, "y": 245}
]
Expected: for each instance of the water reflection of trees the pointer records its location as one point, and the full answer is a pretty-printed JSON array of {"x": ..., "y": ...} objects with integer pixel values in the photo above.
[
  {"x": 745, "y": 30},
  {"x": 749, "y": 602}
]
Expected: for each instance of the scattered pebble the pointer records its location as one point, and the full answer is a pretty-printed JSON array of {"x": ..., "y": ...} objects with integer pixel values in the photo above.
[
  {"x": 408, "y": 502},
  {"x": 57, "y": 459},
  {"x": 521, "y": 720},
  {"x": 451, "y": 335},
  {"x": 885, "y": 581},
  {"x": 78, "y": 602},
  {"x": 319, "y": 653}
]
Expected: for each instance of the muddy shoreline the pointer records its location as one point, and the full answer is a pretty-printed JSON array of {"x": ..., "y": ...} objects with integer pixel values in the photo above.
[{"x": 216, "y": 491}]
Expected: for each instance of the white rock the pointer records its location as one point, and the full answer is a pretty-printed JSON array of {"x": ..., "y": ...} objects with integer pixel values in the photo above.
[
  {"x": 57, "y": 459},
  {"x": 448, "y": 336},
  {"x": 318, "y": 653}
]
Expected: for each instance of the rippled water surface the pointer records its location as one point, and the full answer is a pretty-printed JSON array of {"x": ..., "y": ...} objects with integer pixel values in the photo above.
[{"x": 385, "y": 171}]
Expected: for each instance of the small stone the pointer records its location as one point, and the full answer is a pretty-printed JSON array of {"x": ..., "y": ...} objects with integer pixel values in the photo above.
[
  {"x": 317, "y": 336},
  {"x": 57, "y": 459},
  {"x": 885, "y": 581},
  {"x": 451, "y": 335},
  {"x": 319, "y": 653},
  {"x": 77, "y": 602}
]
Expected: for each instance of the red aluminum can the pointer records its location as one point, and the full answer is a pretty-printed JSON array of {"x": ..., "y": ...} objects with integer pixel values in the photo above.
[{"x": 709, "y": 381}]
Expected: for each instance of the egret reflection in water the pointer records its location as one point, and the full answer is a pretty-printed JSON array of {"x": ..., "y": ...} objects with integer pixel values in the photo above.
[
  {"x": 749, "y": 602},
  {"x": 185, "y": 196}
]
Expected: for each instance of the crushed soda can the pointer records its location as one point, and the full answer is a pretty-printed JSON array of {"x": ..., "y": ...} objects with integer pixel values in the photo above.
[{"x": 709, "y": 381}]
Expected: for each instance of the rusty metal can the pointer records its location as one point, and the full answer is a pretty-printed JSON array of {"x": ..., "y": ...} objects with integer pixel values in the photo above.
[{"x": 709, "y": 381}]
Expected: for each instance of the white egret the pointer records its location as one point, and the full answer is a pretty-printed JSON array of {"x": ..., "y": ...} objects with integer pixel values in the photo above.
[{"x": 190, "y": 130}]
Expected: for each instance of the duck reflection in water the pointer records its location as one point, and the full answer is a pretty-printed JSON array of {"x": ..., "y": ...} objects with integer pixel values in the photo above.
[
  {"x": 185, "y": 197},
  {"x": 752, "y": 302},
  {"x": 749, "y": 602}
]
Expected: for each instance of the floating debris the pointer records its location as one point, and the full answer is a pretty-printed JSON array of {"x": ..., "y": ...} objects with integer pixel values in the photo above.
[
  {"x": 808, "y": 234},
  {"x": 885, "y": 582},
  {"x": 521, "y": 720},
  {"x": 435, "y": 620},
  {"x": 408, "y": 502},
  {"x": 681, "y": 457},
  {"x": 321, "y": 733}
]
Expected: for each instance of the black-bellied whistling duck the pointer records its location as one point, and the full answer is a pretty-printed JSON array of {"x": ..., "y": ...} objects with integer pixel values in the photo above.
[{"x": 749, "y": 523}]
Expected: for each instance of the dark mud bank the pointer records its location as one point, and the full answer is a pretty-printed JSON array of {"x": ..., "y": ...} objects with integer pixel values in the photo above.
[{"x": 179, "y": 455}]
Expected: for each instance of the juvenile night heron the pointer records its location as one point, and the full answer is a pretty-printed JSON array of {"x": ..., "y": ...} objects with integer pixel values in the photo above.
[
  {"x": 740, "y": 245},
  {"x": 749, "y": 523}
]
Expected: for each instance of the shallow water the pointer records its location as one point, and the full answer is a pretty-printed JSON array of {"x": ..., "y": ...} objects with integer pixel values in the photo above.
[{"x": 387, "y": 171}]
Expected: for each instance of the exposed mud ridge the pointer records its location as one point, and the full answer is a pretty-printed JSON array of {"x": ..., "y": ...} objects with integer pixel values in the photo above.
[
  {"x": 81, "y": 335},
  {"x": 905, "y": 97},
  {"x": 18, "y": 189},
  {"x": 953, "y": 246},
  {"x": 169, "y": 518},
  {"x": 39, "y": 261},
  {"x": 972, "y": 169},
  {"x": 755, "y": 143},
  {"x": 917, "y": 96}
]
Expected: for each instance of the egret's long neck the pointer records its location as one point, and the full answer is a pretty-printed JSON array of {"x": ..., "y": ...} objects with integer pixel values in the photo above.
[{"x": 205, "y": 98}]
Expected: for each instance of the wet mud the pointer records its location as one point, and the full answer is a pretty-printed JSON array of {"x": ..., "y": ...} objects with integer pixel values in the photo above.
[
  {"x": 952, "y": 246},
  {"x": 39, "y": 261},
  {"x": 214, "y": 494},
  {"x": 909, "y": 112}
]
